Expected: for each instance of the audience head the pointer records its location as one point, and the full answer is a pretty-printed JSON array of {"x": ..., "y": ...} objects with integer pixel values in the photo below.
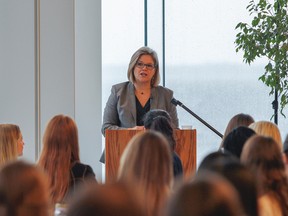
[
  {"x": 216, "y": 159},
  {"x": 263, "y": 156},
  {"x": 240, "y": 119},
  {"x": 105, "y": 200},
  {"x": 149, "y": 117},
  {"x": 236, "y": 139},
  {"x": 207, "y": 195},
  {"x": 237, "y": 174},
  {"x": 8, "y": 143},
  {"x": 18, "y": 136},
  {"x": 266, "y": 128},
  {"x": 134, "y": 60},
  {"x": 159, "y": 120},
  {"x": 25, "y": 189},
  {"x": 147, "y": 162},
  {"x": 60, "y": 150}
]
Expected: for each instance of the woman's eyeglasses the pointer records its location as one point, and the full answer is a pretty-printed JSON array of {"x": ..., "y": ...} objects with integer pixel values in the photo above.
[{"x": 142, "y": 65}]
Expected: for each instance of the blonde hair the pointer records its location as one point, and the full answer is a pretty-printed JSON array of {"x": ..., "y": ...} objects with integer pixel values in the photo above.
[
  {"x": 25, "y": 188},
  {"x": 134, "y": 59},
  {"x": 266, "y": 128},
  {"x": 60, "y": 151},
  {"x": 8, "y": 143},
  {"x": 147, "y": 162}
]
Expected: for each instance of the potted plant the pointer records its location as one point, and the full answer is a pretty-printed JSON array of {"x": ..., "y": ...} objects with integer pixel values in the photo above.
[{"x": 267, "y": 36}]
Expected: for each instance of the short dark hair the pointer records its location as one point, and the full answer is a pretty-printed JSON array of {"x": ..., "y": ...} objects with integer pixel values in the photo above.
[{"x": 235, "y": 140}]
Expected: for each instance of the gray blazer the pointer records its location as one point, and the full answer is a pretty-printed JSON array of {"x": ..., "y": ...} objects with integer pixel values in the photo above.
[{"x": 120, "y": 110}]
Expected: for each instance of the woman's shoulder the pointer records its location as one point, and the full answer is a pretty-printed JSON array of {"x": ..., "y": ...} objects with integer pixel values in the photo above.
[
  {"x": 121, "y": 85},
  {"x": 80, "y": 169},
  {"x": 160, "y": 90}
]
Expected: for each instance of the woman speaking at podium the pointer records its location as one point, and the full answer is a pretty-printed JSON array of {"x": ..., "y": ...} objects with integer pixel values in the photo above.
[{"x": 130, "y": 101}]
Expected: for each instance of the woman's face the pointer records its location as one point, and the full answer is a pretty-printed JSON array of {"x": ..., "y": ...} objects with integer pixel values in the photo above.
[
  {"x": 20, "y": 145},
  {"x": 144, "y": 69}
]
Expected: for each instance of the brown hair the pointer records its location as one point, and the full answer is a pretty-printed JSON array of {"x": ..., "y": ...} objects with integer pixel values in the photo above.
[
  {"x": 240, "y": 119},
  {"x": 147, "y": 162},
  {"x": 134, "y": 59},
  {"x": 25, "y": 188},
  {"x": 207, "y": 194},
  {"x": 60, "y": 151},
  {"x": 106, "y": 200},
  {"x": 263, "y": 156}
]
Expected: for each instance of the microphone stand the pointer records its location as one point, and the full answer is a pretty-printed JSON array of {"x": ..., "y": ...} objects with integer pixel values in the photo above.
[{"x": 176, "y": 102}]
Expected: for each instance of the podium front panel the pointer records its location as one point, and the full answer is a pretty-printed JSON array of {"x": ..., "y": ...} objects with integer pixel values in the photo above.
[{"x": 116, "y": 141}]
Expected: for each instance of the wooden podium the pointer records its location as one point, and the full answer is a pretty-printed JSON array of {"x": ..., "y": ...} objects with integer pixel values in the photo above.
[{"x": 116, "y": 141}]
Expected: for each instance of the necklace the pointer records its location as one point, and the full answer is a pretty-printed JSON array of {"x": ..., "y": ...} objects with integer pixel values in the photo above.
[{"x": 142, "y": 92}]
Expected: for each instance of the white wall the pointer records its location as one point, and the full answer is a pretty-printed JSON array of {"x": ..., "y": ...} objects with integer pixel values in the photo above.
[
  {"x": 88, "y": 80},
  {"x": 68, "y": 79},
  {"x": 17, "y": 69}
]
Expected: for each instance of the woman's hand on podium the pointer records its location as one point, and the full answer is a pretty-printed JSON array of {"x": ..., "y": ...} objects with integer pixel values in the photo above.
[{"x": 137, "y": 128}]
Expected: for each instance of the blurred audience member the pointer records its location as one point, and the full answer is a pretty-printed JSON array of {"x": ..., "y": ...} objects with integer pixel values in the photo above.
[
  {"x": 237, "y": 174},
  {"x": 146, "y": 163},
  {"x": 263, "y": 157},
  {"x": 216, "y": 159},
  {"x": 25, "y": 189},
  {"x": 207, "y": 195},
  {"x": 236, "y": 139},
  {"x": 105, "y": 200}
]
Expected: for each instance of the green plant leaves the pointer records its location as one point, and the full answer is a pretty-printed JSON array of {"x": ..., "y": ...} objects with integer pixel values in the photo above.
[{"x": 267, "y": 36}]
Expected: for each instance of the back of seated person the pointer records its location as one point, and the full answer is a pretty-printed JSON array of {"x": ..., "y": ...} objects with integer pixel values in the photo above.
[
  {"x": 160, "y": 121},
  {"x": 268, "y": 129},
  {"x": 237, "y": 120},
  {"x": 206, "y": 195},
  {"x": 237, "y": 174},
  {"x": 60, "y": 158},
  {"x": 25, "y": 190},
  {"x": 262, "y": 155},
  {"x": 235, "y": 140},
  {"x": 147, "y": 163},
  {"x": 105, "y": 200}
]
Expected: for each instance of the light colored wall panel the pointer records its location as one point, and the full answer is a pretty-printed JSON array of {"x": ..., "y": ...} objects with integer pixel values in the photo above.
[
  {"x": 17, "y": 69},
  {"x": 88, "y": 81},
  {"x": 57, "y": 71}
]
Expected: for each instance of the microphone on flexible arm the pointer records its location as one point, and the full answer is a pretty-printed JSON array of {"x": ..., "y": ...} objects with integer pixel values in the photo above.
[{"x": 176, "y": 102}]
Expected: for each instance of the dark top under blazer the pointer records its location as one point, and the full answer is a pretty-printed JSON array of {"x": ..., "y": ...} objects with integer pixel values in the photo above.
[{"x": 120, "y": 110}]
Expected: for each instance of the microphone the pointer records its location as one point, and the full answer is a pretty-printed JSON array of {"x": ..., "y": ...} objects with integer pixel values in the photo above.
[{"x": 176, "y": 102}]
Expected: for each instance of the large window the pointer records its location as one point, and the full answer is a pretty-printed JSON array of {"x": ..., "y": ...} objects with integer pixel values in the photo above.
[{"x": 201, "y": 65}]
